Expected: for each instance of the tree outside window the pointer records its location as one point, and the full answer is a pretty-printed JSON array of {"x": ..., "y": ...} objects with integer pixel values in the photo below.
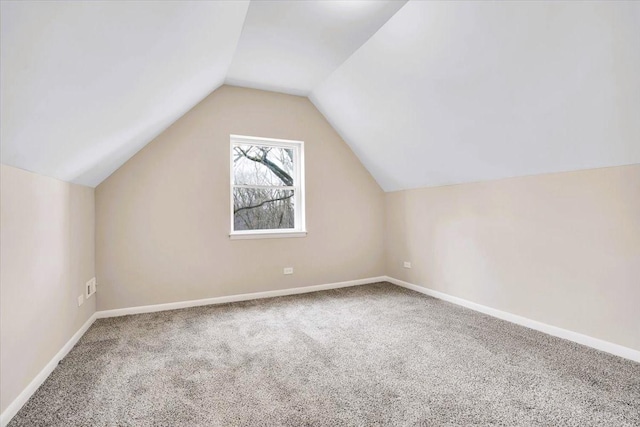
[{"x": 266, "y": 185}]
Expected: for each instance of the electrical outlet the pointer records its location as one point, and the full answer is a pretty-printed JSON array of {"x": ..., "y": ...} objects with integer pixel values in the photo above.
[
  {"x": 407, "y": 264},
  {"x": 80, "y": 300},
  {"x": 288, "y": 270},
  {"x": 90, "y": 288}
]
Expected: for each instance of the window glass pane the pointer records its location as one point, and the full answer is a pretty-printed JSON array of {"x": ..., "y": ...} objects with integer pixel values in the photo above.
[
  {"x": 262, "y": 209},
  {"x": 260, "y": 165}
]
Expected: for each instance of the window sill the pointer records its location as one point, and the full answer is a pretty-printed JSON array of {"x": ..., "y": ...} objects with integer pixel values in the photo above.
[{"x": 269, "y": 234}]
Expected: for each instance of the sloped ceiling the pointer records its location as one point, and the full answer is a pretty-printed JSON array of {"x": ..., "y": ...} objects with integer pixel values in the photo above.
[
  {"x": 425, "y": 93},
  {"x": 453, "y": 92},
  {"x": 85, "y": 85},
  {"x": 291, "y": 47}
]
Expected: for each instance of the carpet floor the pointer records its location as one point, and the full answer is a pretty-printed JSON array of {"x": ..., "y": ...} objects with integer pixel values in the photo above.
[{"x": 367, "y": 355}]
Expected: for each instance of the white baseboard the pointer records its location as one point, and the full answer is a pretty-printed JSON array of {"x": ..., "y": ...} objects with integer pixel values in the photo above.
[
  {"x": 15, "y": 406},
  {"x": 598, "y": 344},
  {"x": 234, "y": 298},
  {"x": 22, "y": 398}
]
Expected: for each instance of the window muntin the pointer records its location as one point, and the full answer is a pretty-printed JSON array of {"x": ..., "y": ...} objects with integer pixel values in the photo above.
[{"x": 267, "y": 187}]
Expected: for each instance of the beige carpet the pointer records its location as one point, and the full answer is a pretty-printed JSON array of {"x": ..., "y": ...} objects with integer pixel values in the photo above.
[{"x": 367, "y": 355}]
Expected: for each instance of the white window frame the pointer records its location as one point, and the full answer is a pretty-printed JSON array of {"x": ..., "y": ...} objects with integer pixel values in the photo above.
[{"x": 300, "y": 229}]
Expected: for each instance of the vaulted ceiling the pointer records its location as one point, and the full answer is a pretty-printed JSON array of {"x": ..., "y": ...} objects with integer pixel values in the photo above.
[
  {"x": 425, "y": 93},
  {"x": 85, "y": 85}
]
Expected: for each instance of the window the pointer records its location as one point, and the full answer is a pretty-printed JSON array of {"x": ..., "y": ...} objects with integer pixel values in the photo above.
[{"x": 267, "y": 188}]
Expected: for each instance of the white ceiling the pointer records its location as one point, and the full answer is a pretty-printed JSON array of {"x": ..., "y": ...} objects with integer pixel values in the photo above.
[
  {"x": 452, "y": 92},
  {"x": 291, "y": 47},
  {"x": 85, "y": 85},
  {"x": 425, "y": 93}
]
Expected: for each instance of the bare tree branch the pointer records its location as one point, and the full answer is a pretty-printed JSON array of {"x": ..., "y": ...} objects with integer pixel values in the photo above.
[
  {"x": 235, "y": 211},
  {"x": 284, "y": 177}
]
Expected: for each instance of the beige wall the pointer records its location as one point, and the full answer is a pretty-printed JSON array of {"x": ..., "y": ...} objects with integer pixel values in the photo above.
[
  {"x": 46, "y": 257},
  {"x": 162, "y": 219},
  {"x": 562, "y": 249}
]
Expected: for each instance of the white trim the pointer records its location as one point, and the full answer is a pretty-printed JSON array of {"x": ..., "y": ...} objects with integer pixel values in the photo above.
[
  {"x": 598, "y": 344},
  {"x": 22, "y": 398},
  {"x": 234, "y": 298},
  {"x": 298, "y": 188},
  {"x": 586, "y": 340},
  {"x": 243, "y": 139},
  {"x": 266, "y": 234}
]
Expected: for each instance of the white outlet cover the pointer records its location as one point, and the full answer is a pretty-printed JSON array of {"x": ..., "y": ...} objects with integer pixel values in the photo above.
[
  {"x": 407, "y": 264},
  {"x": 288, "y": 270},
  {"x": 80, "y": 300}
]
